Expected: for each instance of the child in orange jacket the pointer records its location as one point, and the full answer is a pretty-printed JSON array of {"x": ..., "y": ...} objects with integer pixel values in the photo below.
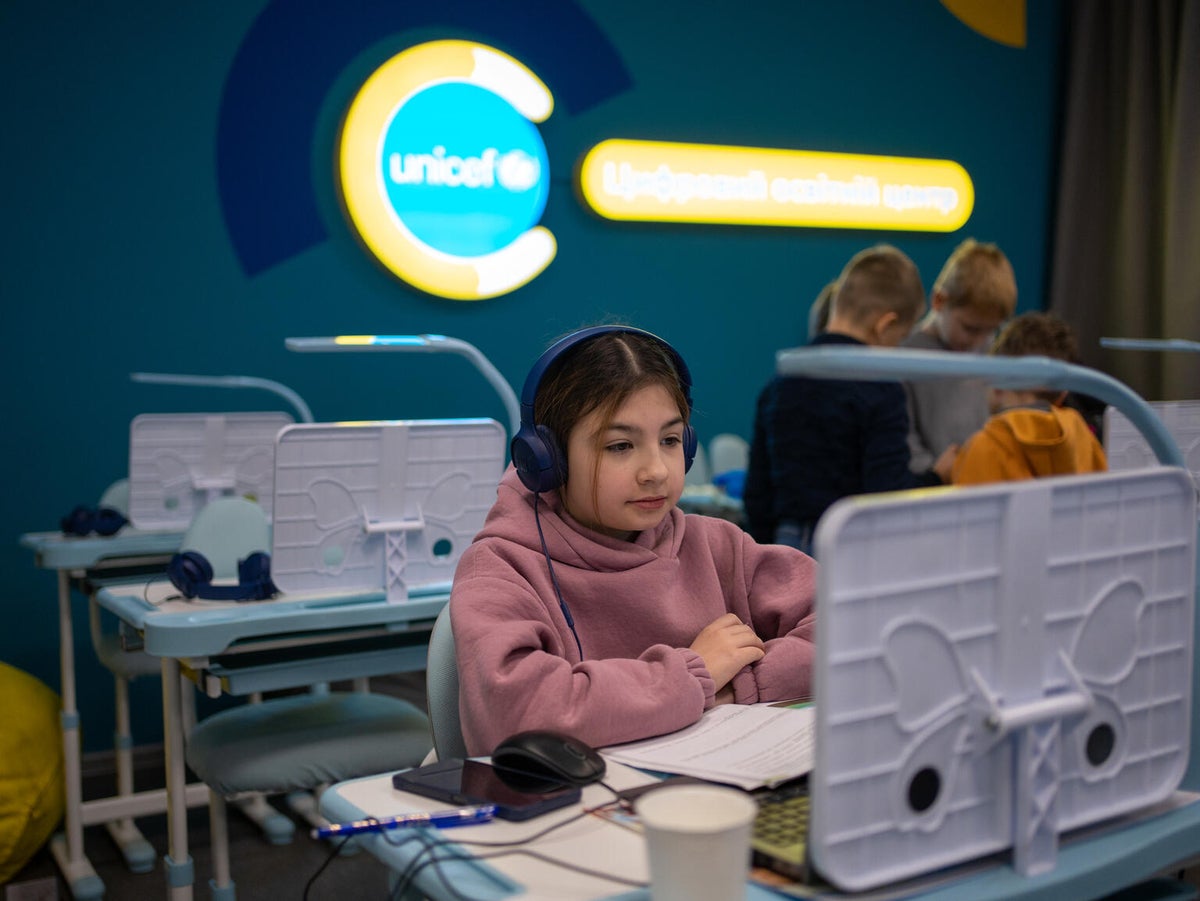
[{"x": 1030, "y": 433}]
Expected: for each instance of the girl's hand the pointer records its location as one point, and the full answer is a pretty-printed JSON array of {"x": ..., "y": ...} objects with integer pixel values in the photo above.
[
  {"x": 726, "y": 645},
  {"x": 724, "y": 696}
]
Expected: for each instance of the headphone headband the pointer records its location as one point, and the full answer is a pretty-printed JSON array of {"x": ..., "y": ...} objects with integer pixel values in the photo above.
[
  {"x": 534, "y": 380},
  {"x": 192, "y": 573},
  {"x": 535, "y": 454}
]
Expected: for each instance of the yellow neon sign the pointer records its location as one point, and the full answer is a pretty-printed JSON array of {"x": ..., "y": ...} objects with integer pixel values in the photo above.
[{"x": 658, "y": 181}]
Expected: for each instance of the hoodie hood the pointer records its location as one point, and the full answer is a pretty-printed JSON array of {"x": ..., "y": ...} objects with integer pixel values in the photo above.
[
  {"x": 1030, "y": 442},
  {"x": 512, "y": 519},
  {"x": 1043, "y": 437}
]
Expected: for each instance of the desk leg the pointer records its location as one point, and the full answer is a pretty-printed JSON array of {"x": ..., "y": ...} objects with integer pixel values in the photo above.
[
  {"x": 68, "y": 849},
  {"x": 178, "y": 862}
]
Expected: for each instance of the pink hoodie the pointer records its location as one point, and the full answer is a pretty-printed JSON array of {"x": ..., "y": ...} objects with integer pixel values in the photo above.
[{"x": 637, "y": 607}]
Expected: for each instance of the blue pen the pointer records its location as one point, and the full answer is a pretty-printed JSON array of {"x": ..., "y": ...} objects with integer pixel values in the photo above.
[{"x": 442, "y": 819}]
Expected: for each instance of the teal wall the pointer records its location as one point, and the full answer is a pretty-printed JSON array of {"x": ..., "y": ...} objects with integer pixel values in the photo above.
[{"x": 120, "y": 252}]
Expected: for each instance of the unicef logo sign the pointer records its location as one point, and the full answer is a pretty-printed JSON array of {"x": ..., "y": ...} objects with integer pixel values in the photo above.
[{"x": 444, "y": 173}]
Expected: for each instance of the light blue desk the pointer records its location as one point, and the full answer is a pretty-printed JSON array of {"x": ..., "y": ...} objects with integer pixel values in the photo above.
[
  {"x": 240, "y": 648},
  {"x": 73, "y": 558},
  {"x": 1091, "y": 864}
]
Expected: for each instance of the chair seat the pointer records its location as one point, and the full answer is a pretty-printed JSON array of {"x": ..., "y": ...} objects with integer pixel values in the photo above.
[{"x": 302, "y": 741}]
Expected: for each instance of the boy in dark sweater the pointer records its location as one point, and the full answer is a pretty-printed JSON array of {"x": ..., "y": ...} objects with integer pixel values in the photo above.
[{"x": 817, "y": 440}]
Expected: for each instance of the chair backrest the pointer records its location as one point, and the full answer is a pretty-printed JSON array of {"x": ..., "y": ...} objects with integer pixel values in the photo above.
[
  {"x": 700, "y": 473},
  {"x": 116, "y": 496},
  {"x": 728, "y": 452},
  {"x": 227, "y": 530},
  {"x": 441, "y": 690}
]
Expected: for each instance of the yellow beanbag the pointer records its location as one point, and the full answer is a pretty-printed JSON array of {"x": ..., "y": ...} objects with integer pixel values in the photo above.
[{"x": 31, "y": 768}]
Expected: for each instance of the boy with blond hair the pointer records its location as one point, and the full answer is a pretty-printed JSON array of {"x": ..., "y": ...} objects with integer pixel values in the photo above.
[
  {"x": 817, "y": 440},
  {"x": 974, "y": 294},
  {"x": 1030, "y": 434}
]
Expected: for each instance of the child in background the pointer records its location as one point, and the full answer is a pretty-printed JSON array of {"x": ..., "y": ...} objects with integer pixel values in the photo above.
[
  {"x": 818, "y": 440},
  {"x": 975, "y": 292},
  {"x": 1030, "y": 434},
  {"x": 589, "y": 603},
  {"x": 818, "y": 313}
]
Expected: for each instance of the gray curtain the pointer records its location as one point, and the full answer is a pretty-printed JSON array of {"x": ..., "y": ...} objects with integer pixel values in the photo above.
[{"x": 1126, "y": 259}]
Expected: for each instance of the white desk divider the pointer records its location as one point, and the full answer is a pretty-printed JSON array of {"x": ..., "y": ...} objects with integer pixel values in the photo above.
[
  {"x": 1021, "y": 653},
  {"x": 381, "y": 505},
  {"x": 1126, "y": 447},
  {"x": 178, "y": 462},
  {"x": 997, "y": 665}
]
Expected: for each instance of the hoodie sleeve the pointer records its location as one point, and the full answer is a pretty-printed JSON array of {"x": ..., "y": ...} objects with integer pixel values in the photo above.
[
  {"x": 781, "y": 590},
  {"x": 519, "y": 669}
]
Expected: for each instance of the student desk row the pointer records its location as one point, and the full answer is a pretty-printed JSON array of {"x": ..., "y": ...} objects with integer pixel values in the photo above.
[
  {"x": 292, "y": 641},
  {"x": 74, "y": 558}
]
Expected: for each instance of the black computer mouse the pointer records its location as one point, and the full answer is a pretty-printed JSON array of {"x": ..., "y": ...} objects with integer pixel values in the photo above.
[{"x": 541, "y": 760}]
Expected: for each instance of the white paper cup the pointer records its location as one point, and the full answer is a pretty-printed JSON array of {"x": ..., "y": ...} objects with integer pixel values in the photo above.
[{"x": 698, "y": 841}]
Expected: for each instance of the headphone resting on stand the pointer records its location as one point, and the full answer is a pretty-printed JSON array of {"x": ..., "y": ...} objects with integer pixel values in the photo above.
[
  {"x": 539, "y": 460},
  {"x": 192, "y": 574}
]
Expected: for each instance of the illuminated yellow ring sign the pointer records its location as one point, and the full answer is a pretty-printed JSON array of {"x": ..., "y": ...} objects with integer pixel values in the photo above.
[
  {"x": 655, "y": 181},
  {"x": 443, "y": 172}
]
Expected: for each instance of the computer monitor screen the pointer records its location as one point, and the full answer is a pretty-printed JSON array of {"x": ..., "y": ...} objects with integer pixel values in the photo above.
[
  {"x": 180, "y": 461},
  {"x": 381, "y": 505},
  {"x": 996, "y": 665}
]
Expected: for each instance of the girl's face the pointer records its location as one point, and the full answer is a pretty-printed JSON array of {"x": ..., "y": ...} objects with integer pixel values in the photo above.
[{"x": 640, "y": 475}]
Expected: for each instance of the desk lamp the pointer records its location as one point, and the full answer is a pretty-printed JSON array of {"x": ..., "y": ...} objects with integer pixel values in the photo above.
[
  {"x": 879, "y": 364},
  {"x": 1151, "y": 344},
  {"x": 227, "y": 381},
  {"x": 418, "y": 344}
]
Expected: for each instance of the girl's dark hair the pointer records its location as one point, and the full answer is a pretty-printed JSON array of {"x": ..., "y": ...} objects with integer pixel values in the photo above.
[{"x": 600, "y": 374}]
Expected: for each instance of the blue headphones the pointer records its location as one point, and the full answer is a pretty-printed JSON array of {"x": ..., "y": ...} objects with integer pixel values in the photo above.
[
  {"x": 535, "y": 453},
  {"x": 85, "y": 520},
  {"x": 192, "y": 574}
]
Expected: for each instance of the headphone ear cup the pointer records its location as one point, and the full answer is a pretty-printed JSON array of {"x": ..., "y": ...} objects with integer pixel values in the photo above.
[
  {"x": 537, "y": 459},
  {"x": 690, "y": 443},
  {"x": 254, "y": 575},
  {"x": 188, "y": 571},
  {"x": 108, "y": 521},
  {"x": 558, "y": 460},
  {"x": 77, "y": 522}
]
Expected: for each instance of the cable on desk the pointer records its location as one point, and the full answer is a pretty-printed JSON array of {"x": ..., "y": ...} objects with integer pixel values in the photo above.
[
  {"x": 514, "y": 846},
  {"x": 146, "y": 593}
]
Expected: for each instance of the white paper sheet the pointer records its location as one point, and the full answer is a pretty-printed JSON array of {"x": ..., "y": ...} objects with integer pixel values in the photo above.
[{"x": 748, "y": 746}]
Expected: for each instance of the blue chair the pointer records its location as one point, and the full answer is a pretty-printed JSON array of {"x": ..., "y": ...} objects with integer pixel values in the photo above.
[
  {"x": 297, "y": 743},
  {"x": 441, "y": 690}
]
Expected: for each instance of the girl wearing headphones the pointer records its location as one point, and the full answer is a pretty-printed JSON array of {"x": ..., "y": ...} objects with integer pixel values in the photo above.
[{"x": 588, "y": 603}]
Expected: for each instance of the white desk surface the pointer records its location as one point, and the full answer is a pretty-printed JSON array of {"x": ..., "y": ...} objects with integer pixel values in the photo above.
[
  {"x": 1090, "y": 865},
  {"x": 591, "y": 842},
  {"x": 197, "y": 628}
]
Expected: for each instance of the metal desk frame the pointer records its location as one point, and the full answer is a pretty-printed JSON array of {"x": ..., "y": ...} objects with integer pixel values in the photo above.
[{"x": 73, "y": 559}]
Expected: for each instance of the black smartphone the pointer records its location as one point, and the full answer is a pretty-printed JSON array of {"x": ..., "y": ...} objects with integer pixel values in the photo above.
[{"x": 465, "y": 782}]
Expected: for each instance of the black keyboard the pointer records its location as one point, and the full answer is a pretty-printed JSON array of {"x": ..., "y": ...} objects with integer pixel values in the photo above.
[{"x": 780, "y": 834}]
